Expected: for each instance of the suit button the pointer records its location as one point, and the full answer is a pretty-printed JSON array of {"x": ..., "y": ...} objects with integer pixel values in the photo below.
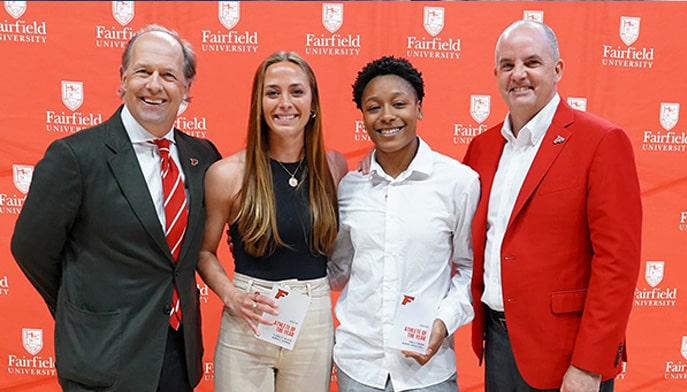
[{"x": 167, "y": 309}]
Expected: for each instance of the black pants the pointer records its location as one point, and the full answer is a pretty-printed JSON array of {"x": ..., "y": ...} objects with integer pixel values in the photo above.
[
  {"x": 501, "y": 372},
  {"x": 174, "y": 377}
]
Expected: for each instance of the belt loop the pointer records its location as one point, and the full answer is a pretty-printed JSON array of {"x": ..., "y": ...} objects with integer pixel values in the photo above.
[
  {"x": 249, "y": 285},
  {"x": 308, "y": 290}
]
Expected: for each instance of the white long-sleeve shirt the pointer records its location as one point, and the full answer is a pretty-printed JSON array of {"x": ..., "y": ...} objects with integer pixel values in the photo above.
[
  {"x": 148, "y": 156},
  {"x": 401, "y": 235},
  {"x": 516, "y": 160}
]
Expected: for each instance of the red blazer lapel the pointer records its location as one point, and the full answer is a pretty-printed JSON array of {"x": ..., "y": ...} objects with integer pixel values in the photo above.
[{"x": 553, "y": 143}]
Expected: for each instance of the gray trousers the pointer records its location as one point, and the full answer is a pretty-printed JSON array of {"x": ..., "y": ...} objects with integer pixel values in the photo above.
[{"x": 501, "y": 372}]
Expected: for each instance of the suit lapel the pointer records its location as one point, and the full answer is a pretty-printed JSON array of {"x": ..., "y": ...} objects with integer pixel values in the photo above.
[
  {"x": 194, "y": 185},
  {"x": 127, "y": 173},
  {"x": 483, "y": 156},
  {"x": 553, "y": 143}
]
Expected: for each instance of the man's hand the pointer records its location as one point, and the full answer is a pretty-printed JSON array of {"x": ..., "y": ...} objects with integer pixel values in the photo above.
[
  {"x": 578, "y": 380},
  {"x": 365, "y": 163},
  {"x": 437, "y": 337}
]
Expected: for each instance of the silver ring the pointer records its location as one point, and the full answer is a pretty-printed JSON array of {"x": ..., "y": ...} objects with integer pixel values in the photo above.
[{"x": 254, "y": 307}]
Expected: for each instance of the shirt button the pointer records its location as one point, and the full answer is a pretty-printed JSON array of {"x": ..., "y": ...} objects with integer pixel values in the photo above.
[{"x": 167, "y": 309}]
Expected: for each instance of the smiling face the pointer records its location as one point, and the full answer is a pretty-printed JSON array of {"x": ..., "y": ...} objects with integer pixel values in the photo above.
[
  {"x": 153, "y": 83},
  {"x": 390, "y": 113},
  {"x": 527, "y": 71},
  {"x": 286, "y": 99}
]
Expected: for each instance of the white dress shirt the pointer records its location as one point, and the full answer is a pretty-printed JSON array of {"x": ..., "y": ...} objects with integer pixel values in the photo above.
[
  {"x": 148, "y": 156},
  {"x": 516, "y": 160},
  {"x": 401, "y": 235}
]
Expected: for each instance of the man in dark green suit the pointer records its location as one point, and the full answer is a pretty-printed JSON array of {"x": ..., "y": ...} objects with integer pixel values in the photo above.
[{"x": 91, "y": 236}]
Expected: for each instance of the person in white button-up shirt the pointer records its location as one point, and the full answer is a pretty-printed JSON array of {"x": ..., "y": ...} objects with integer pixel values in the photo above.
[{"x": 405, "y": 230}]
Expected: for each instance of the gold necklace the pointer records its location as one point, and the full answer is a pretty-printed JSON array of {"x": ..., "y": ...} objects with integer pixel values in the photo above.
[{"x": 293, "y": 181}]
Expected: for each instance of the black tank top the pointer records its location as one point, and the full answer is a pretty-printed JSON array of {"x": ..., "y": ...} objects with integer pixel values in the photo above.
[{"x": 293, "y": 222}]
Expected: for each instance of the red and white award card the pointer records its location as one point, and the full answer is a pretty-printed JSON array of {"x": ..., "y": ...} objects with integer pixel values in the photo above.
[
  {"x": 413, "y": 324},
  {"x": 292, "y": 309}
]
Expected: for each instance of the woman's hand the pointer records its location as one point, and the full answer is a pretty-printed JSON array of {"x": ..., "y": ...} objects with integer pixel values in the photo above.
[{"x": 251, "y": 307}]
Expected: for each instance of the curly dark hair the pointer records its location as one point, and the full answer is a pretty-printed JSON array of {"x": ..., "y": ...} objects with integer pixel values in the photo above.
[{"x": 388, "y": 65}]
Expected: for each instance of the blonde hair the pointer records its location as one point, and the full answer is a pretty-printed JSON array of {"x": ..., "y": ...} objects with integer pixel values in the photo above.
[{"x": 256, "y": 219}]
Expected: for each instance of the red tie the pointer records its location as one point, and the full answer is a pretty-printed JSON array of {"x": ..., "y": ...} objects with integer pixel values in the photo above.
[{"x": 176, "y": 215}]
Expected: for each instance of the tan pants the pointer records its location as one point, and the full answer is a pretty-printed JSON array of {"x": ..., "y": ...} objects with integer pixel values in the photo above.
[{"x": 244, "y": 363}]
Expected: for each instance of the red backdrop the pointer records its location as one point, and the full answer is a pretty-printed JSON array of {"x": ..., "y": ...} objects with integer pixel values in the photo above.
[{"x": 624, "y": 61}]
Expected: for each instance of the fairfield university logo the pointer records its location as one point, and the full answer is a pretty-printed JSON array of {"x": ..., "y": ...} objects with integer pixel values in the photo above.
[
  {"x": 19, "y": 30},
  {"x": 670, "y": 114},
  {"x": 433, "y": 20},
  {"x": 433, "y": 47},
  {"x": 668, "y": 139},
  {"x": 654, "y": 272},
  {"x": 480, "y": 109},
  {"x": 11, "y": 203},
  {"x": 32, "y": 339},
  {"x": 21, "y": 175},
  {"x": 333, "y": 43},
  {"x": 194, "y": 126},
  {"x": 332, "y": 16},
  {"x": 34, "y": 364},
  {"x": 629, "y": 56},
  {"x": 4, "y": 285},
  {"x": 629, "y": 29},
  {"x": 578, "y": 103},
  {"x": 123, "y": 11},
  {"x": 229, "y": 13},
  {"x": 116, "y": 36},
  {"x": 677, "y": 370},
  {"x": 655, "y": 296},
  {"x": 683, "y": 220},
  {"x": 360, "y": 133},
  {"x": 208, "y": 371},
  {"x": 72, "y": 95},
  {"x": 231, "y": 41},
  {"x": 535, "y": 15},
  {"x": 15, "y": 8}
]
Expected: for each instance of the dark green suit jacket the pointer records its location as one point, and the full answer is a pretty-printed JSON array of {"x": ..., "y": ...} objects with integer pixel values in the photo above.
[{"x": 89, "y": 240}]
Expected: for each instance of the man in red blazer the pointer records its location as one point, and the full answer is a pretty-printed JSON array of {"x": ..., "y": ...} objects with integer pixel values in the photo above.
[{"x": 557, "y": 232}]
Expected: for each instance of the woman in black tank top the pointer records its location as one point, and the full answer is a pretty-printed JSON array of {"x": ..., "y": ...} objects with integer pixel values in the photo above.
[{"x": 278, "y": 197}]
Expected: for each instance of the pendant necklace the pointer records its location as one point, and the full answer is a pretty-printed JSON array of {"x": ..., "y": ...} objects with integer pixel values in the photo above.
[{"x": 293, "y": 181}]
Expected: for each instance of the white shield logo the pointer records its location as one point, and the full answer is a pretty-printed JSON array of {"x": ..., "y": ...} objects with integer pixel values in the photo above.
[
  {"x": 123, "y": 11},
  {"x": 654, "y": 272},
  {"x": 229, "y": 13},
  {"x": 434, "y": 20},
  {"x": 72, "y": 94},
  {"x": 480, "y": 107},
  {"x": 533, "y": 15},
  {"x": 578, "y": 103},
  {"x": 629, "y": 29},
  {"x": 32, "y": 340},
  {"x": 22, "y": 175},
  {"x": 15, "y": 8},
  {"x": 670, "y": 114},
  {"x": 332, "y": 16}
]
